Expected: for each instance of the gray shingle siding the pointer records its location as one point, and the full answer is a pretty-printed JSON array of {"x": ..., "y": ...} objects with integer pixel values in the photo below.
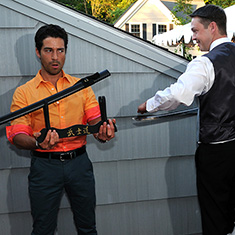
[{"x": 145, "y": 178}]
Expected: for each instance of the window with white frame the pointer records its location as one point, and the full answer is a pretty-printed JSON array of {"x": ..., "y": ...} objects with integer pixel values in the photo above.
[
  {"x": 161, "y": 28},
  {"x": 135, "y": 29}
]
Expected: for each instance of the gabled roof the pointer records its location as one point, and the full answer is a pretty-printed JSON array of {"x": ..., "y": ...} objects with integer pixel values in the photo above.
[
  {"x": 171, "y": 5},
  {"x": 137, "y": 6}
]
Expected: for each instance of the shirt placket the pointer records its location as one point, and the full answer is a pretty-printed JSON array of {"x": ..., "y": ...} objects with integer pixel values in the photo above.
[{"x": 61, "y": 110}]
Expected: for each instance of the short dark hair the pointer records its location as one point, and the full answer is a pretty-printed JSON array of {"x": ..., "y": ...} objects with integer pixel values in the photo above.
[
  {"x": 50, "y": 30},
  {"x": 209, "y": 13}
]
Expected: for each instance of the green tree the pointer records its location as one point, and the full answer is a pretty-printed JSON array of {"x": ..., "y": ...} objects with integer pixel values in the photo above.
[
  {"x": 222, "y": 3},
  {"x": 109, "y": 10},
  {"x": 80, "y": 5},
  {"x": 181, "y": 12},
  {"x": 102, "y": 9},
  {"x": 105, "y": 10},
  {"x": 120, "y": 8}
]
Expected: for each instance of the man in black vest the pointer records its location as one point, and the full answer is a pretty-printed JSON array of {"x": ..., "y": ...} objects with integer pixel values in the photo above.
[{"x": 212, "y": 78}]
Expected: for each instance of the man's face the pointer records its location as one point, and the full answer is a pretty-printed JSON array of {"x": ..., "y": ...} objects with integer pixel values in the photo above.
[
  {"x": 52, "y": 55},
  {"x": 202, "y": 35}
]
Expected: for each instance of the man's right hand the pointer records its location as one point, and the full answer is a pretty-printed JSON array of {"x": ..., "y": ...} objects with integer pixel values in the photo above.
[
  {"x": 142, "y": 108},
  {"x": 51, "y": 139}
]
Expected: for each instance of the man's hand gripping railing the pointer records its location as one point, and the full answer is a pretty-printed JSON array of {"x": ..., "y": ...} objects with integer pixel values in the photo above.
[{"x": 78, "y": 130}]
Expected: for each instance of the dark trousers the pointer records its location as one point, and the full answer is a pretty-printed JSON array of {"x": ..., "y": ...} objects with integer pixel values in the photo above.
[
  {"x": 215, "y": 165},
  {"x": 48, "y": 179}
]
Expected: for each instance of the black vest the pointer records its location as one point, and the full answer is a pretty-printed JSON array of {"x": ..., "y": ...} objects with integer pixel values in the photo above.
[{"x": 217, "y": 106}]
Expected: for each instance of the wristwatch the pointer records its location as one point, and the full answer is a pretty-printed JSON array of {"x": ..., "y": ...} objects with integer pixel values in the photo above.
[{"x": 39, "y": 146}]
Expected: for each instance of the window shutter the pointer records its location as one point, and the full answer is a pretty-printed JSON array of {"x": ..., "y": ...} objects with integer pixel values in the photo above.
[
  {"x": 154, "y": 29},
  {"x": 145, "y": 31}
]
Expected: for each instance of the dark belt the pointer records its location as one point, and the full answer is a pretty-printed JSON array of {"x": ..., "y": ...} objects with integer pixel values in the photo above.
[{"x": 60, "y": 155}]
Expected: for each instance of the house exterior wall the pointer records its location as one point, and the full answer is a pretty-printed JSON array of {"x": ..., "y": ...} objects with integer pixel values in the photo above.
[
  {"x": 145, "y": 177},
  {"x": 151, "y": 13}
]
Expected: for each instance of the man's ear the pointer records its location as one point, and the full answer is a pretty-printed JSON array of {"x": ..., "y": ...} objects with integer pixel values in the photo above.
[
  {"x": 38, "y": 53},
  {"x": 213, "y": 26}
]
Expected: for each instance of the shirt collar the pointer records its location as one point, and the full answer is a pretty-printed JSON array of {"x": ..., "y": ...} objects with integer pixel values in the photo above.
[
  {"x": 219, "y": 41},
  {"x": 39, "y": 79}
]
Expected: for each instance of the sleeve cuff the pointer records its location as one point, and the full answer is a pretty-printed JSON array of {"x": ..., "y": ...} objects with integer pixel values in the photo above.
[
  {"x": 12, "y": 131},
  {"x": 151, "y": 105},
  {"x": 92, "y": 114}
]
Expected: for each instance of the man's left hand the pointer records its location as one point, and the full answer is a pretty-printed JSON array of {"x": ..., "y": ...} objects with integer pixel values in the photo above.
[{"x": 106, "y": 131}]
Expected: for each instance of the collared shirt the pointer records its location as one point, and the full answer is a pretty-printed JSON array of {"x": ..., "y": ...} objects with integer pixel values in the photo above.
[
  {"x": 196, "y": 80},
  {"x": 79, "y": 108}
]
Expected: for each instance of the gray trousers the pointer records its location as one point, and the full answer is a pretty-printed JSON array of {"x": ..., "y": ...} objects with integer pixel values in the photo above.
[{"x": 48, "y": 179}]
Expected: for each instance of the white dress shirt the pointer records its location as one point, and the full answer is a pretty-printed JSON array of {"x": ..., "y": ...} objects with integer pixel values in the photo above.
[{"x": 196, "y": 80}]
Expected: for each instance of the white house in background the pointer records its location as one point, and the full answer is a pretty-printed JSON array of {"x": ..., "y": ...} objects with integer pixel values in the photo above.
[
  {"x": 147, "y": 18},
  {"x": 183, "y": 33}
]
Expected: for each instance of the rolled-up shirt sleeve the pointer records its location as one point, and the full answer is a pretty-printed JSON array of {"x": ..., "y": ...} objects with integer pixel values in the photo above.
[
  {"x": 19, "y": 125},
  {"x": 12, "y": 131},
  {"x": 196, "y": 80}
]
